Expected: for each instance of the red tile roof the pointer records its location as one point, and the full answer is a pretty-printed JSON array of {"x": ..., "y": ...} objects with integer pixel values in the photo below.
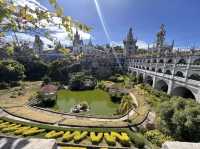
[{"x": 49, "y": 89}]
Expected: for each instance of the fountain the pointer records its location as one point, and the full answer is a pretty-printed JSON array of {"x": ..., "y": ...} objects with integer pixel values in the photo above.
[{"x": 82, "y": 107}]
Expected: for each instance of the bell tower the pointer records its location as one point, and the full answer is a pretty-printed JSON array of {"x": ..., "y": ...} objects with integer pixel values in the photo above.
[{"x": 130, "y": 47}]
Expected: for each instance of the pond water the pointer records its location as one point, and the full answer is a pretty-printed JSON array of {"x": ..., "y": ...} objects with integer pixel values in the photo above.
[{"x": 98, "y": 100}]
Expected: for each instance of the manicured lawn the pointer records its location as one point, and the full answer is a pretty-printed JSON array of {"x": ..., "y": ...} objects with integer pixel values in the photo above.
[{"x": 99, "y": 101}]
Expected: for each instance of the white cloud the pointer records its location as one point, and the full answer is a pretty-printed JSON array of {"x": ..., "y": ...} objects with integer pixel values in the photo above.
[
  {"x": 141, "y": 44},
  {"x": 120, "y": 43}
]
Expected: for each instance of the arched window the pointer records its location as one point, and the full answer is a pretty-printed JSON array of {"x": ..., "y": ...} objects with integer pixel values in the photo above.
[
  {"x": 153, "y": 69},
  {"x": 147, "y": 68},
  {"x": 196, "y": 62},
  {"x": 182, "y": 61},
  {"x": 169, "y": 61},
  {"x": 195, "y": 77},
  {"x": 179, "y": 74},
  {"x": 149, "y": 61},
  {"x": 168, "y": 72},
  {"x": 159, "y": 70},
  {"x": 154, "y": 61},
  {"x": 161, "y": 61}
]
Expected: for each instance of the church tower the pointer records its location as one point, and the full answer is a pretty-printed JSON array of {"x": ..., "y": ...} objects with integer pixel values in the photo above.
[
  {"x": 38, "y": 45},
  {"x": 77, "y": 43},
  {"x": 130, "y": 47}
]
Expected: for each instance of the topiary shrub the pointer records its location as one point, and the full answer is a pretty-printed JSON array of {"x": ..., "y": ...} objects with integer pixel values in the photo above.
[
  {"x": 96, "y": 139},
  {"x": 32, "y": 131},
  {"x": 157, "y": 137},
  {"x": 122, "y": 138},
  {"x": 68, "y": 136},
  {"x": 53, "y": 134},
  {"x": 110, "y": 140},
  {"x": 78, "y": 137}
]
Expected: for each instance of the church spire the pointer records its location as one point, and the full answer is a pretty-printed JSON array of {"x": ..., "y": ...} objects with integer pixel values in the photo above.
[
  {"x": 77, "y": 39},
  {"x": 90, "y": 42},
  {"x": 130, "y": 35},
  {"x": 130, "y": 46}
]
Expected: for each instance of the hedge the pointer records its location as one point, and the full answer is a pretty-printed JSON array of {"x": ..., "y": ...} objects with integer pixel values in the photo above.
[
  {"x": 80, "y": 136},
  {"x": 26, "y": 129},
  {"x": 96, "y": 139},
  {"x": 53, "y": 134},
  {"x": 110, "y": 140}
]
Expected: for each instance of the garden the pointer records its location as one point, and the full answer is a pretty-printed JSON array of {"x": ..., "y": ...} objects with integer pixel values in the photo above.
[
  {"x": 85, "y": 95},
  {"x": 74, "y": 136},
  {"x": 96, "y": 100}
]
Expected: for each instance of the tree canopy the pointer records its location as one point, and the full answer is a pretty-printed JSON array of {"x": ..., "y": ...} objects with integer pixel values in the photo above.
[
  {"x": 181, "y": 118},
  {"x": 11, "y": 70}
]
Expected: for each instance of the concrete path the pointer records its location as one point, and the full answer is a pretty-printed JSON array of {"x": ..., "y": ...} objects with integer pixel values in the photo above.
[{"x": 20, "y": 143}]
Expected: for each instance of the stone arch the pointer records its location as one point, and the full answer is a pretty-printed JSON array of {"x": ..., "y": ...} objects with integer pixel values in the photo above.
[
  {"x": 168, "y": 72},
  {"x": 169, "y": 61},
  {"x": 182, "y": 61},
  {"x": 196, "y": 61},
  {"x": 194, "y": 77},
  {"x": 179, "y": 74},
  {"x": 161, "y": 85},
  {"x": 161, "y": 61},
  {"x": 134, "y": 73},
  {"x": 149, "y": 80},
  {"x": 183, "y": 92},
  {"x": 140, "y": 78},
  {"x": 159, "y": 70}
]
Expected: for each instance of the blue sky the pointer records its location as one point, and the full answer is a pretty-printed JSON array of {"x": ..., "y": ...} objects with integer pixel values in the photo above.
[{"x": 181, "y": 17}]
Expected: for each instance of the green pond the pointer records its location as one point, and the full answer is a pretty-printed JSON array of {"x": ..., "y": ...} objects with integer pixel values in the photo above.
[{"x": 98, "y": 100}]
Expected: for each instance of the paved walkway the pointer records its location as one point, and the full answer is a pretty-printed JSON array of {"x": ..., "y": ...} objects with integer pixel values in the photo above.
[{"x": 20, "y": 143}]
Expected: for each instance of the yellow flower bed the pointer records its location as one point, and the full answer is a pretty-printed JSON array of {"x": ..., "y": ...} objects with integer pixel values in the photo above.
[
  {"x": 21, "y": 130},
  {"x": 122, "y": 138},
  {"x": 10, "y": 128},
  {"x": 32, "y": 131},
  {"x": 53, "y": 134},
  {"x": 110, "y": 140},
  {"x": 80, "y": 136},
  {"x": 5, "y": 125},
  {"x": 96, "y": 139},
  {"x": 68, "y": 136}
]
